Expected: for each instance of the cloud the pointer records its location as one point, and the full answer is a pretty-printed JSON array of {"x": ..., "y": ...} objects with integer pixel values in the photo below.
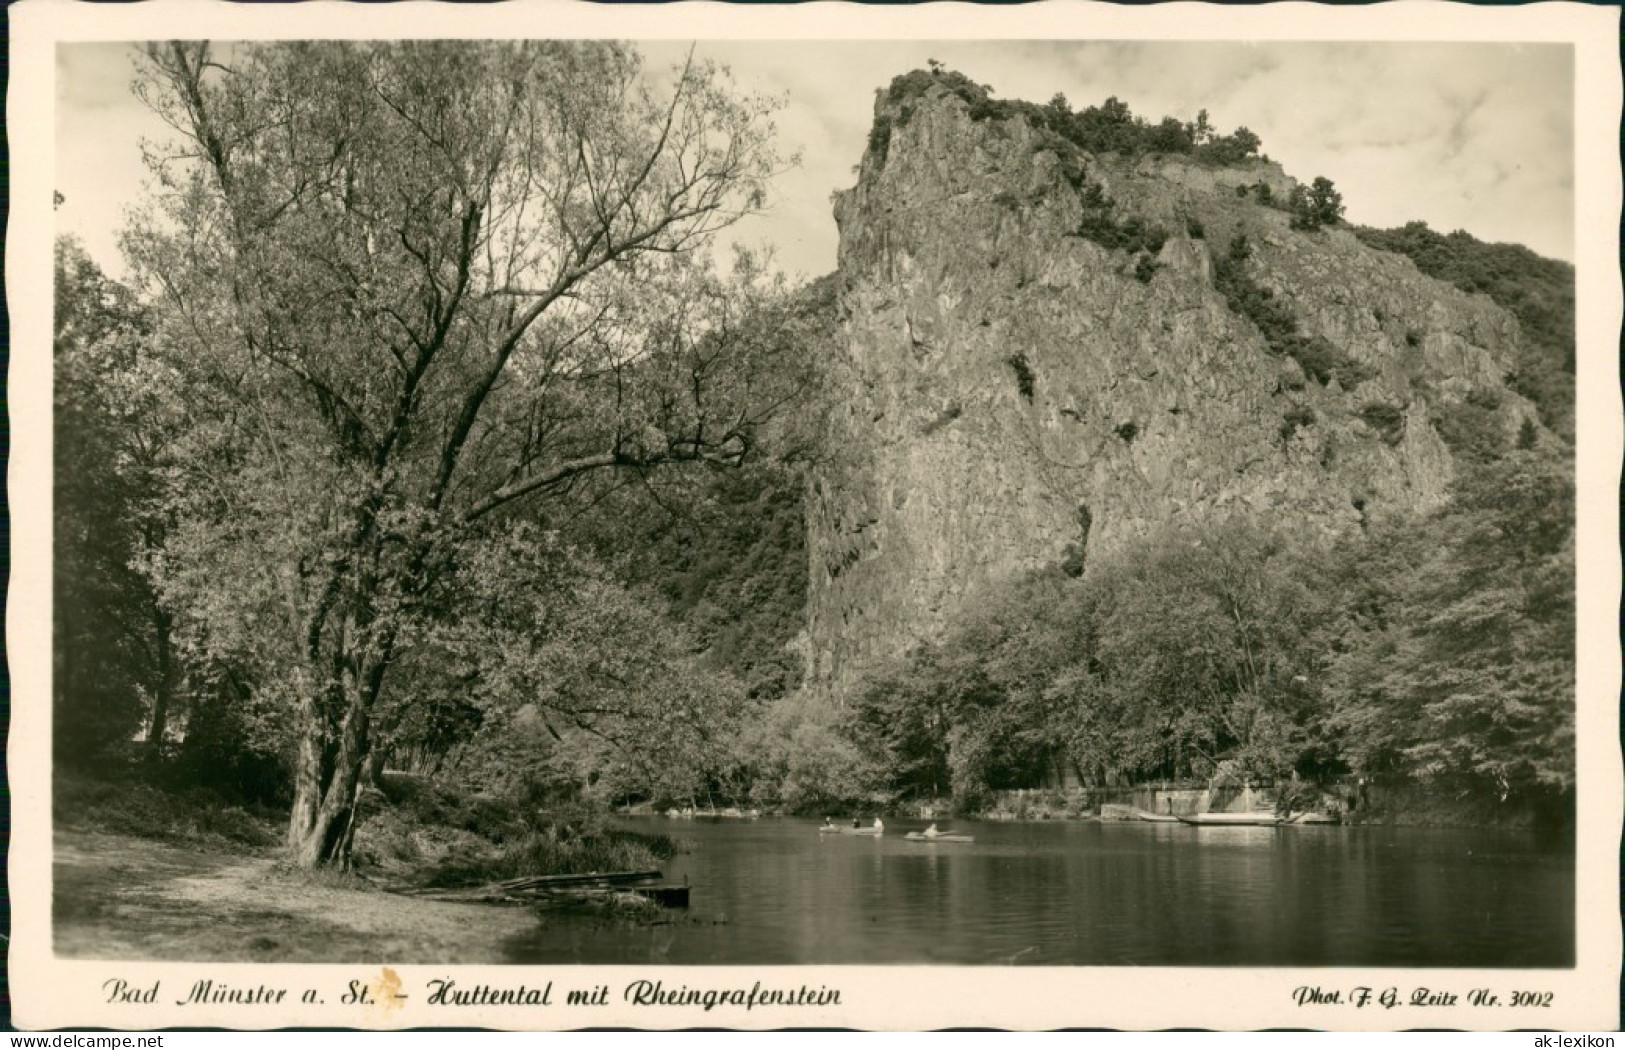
[{"x": 1471, "y": 136}]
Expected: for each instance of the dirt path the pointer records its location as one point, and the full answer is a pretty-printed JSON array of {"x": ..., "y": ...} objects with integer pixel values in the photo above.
[{"x": 118, "y": 897}]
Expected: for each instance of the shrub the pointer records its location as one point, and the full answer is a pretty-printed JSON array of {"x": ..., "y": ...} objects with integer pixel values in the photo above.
[
  {"x": 1321, "y": 205},
  {"x": 1324, "y": 361},
  {"x": 1071, "y": 165},
  {"x": 1296, "y": 418},
  {"x": 1303, "y": 217},
  {"x": 194, "y": 817},
  {"x": 1276, "y": 322},
  {"x": 1024, "y": 375},
  {"x": 1230, "y": 149},
  {"x": 559, "y": 849},
  {"x": 1471, "y": 429},
  {"x": 487, "y": 838},
  {"x": 1385, "y": 419},
  {"x": 1099, "y": 223},
  {"x": 880, "y": 139}
]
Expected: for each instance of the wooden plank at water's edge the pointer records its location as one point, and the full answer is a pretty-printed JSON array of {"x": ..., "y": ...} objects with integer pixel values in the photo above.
[
  {"x": 609, "y": 878},
  {"x": 502, "y": 891},
  {"x": 665, "y": 895}
]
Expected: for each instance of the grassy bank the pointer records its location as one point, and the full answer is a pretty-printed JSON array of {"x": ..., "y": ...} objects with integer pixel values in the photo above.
[
  {"x": 413, "y": 832},
  {"x": 126, "y": 897},
  {"x": 440, "y": 837},
  {"x": 182, "y": 817},
  {"x": 151, "y": 872}
]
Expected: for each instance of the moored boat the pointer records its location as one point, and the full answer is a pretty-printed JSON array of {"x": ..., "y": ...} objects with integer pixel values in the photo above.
[
  {"x": 1155, "y": 818},
  {"x": 1254, "y": 818}
]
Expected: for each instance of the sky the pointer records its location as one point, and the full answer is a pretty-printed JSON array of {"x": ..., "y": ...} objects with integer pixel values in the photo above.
[{"x": 1470, "y": 136}]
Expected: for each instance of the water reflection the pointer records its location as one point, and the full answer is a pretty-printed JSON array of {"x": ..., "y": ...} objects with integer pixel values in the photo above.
[{"x": 776, "y": 892}]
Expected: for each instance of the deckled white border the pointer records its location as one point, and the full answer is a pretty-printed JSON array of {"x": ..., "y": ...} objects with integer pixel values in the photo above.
[{"x": 49, "y": 992}]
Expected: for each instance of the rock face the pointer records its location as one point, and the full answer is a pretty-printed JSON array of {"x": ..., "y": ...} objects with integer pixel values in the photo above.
[{"x": 1013, "y": 396}]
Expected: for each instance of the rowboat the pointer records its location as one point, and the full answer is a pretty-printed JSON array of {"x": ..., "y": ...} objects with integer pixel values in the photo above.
[
  {"x": 1155, "y": 818},
  {"x": 1256, "y": 818},
  {"x": 1313, "y": 818},
  {"x": 836, "y": 829},
  {"x": 731, "y": 813},
  {"x": 920, "y": 836}
]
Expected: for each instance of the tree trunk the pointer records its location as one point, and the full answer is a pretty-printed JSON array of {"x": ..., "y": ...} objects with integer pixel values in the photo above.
[
  {"x": 163, "y": 674},
  {"x": 308, "y": 774},
  {"x": 323, "y": 838},
  {"x": 330, "y": 774}
]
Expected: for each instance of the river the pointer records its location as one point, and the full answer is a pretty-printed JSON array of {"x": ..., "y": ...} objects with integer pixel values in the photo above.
[{"x": 774, "y": 891}]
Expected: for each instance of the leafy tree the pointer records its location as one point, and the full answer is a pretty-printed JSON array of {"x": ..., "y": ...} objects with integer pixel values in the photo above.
[
  {"x": 1456, "y": 662},
  {"x": 1297, "y": 204},
  {"x": 1245, "y": 141},
  {"x": 1439, "y": 650},
  {"x": 1169, "y": 136},
  {"x": 433, "y": 285},
  {"x": 1201, "y": 131},
  {"x": 1321, "y": 205},
  {"x": 905, "y": 723},
  {"x": 1110, "y": 127},
  {"x": 1213, "y": 632},
  {"x": 1164, "y": 660},
  {"x": 1325, "y": 203},
  {"x": 970, "y": 714},
  {"x": 555, "y": 651},
  {"x": 1235, "y": 148},
  {"x": 801, "y": 758},
  {"x": 116, "y": 407}
]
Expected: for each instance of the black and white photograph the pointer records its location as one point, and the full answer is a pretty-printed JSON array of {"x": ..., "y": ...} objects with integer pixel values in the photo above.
[{"x": 899, "y": 507}]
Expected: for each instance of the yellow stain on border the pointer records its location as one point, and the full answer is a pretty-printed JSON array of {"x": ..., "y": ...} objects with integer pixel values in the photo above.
[{"x": 386, "y": 991}]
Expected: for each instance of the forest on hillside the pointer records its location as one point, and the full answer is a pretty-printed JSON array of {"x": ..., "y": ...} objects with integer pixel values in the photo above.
[{"x": 428, "y": 436}]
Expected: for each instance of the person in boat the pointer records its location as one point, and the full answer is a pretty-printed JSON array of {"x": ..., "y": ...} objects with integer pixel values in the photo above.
[
  {"x": 857, "y": 822},
  {"x": 931, "y": 832},
  {"x": 878, "y": 825}
]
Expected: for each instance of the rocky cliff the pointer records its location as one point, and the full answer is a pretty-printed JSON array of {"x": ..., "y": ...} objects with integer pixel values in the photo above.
[{"x": 1051, "y": 353}]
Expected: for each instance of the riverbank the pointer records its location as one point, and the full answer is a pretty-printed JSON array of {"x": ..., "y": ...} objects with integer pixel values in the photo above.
[
  {"x": 123, "y": 897},
  {"x": 148, "y": 871}
]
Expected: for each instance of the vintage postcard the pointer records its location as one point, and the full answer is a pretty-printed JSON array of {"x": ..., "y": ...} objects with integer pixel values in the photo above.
[{"x": 549, "y": 516}]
